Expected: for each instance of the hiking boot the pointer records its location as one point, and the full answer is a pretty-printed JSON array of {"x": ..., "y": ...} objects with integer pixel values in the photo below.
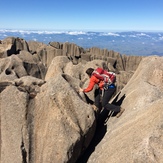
[{"x": 120, "y": 113}]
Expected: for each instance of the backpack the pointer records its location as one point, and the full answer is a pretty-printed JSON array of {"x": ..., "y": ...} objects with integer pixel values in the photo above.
[{"x": 103, "y": 75}]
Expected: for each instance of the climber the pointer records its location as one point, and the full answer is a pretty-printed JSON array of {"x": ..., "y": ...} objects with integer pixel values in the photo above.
[{"x": 105, "y": 90}]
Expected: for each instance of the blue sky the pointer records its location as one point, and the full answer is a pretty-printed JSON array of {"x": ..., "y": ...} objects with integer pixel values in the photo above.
[{"x": 97, "y": 15}]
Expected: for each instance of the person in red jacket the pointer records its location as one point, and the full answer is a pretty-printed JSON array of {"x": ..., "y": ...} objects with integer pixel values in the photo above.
[{"x": 107, "y": 94}]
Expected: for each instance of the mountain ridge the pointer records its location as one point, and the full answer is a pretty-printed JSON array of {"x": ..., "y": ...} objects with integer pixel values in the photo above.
[{"x": 129, "y": 43}]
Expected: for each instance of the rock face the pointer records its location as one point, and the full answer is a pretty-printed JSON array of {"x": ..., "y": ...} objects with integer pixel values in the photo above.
[
  {"x": 137, "y": 136},
  {"x": 45, "y": 53},
  {"x": 51, "y": 121},
  {"x": 12, "y": 45},
  {"x": 63, "y": 123},
  {"x": 14, "y": 101},
  {"x": 44, "y": 118},
  {"x": 13, "y": 112}
]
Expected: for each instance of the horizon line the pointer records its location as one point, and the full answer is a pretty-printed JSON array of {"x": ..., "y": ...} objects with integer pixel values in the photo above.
[{"x": 85, "y": 30}]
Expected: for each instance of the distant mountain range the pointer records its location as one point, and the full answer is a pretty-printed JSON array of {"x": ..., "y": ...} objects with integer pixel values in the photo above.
[{"x": 129, "y": 43}]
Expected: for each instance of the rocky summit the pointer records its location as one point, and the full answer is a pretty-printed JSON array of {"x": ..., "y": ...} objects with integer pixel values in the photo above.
[{"x": 45, "y": 119}]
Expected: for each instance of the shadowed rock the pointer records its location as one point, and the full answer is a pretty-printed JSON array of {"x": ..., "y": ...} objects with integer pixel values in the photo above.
[
  {"x": 13, "y": 45},
  {"x": 4, "y": 84}
]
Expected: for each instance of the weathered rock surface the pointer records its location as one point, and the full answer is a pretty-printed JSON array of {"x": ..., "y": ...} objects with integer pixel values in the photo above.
[
  {"x": 43, "y": 117},
  {"x": 12, "y": 45},
  {"x": 13, "y": 105},
  {"x": 76, "y": 54},
  {"x": 23, "y": 64},
  {"x": 137, "y": 136},
  {"x": 53, "y": 123},
  {"x": 63, "y": 124}
]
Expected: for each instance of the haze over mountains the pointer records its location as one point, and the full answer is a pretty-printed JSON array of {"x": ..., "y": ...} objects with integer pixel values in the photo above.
[{"x": 129, "y": 43}]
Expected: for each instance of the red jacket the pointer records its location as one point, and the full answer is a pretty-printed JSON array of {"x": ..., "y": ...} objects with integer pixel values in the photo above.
[{"x": 92, "y": 82}]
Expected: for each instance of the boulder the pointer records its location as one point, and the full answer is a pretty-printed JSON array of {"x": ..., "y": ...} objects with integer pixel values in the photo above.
[
  {"x": 16, "y": 118},
  {"x": 14, "y": 135},
  {"x": 63, "y": 124},
  {"x": 11, "y": 68},
  {"x": 32, "y": 65},
  {"x": 56, "y": 67}
]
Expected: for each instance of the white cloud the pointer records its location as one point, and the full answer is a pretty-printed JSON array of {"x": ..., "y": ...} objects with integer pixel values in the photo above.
[
  {"x": 161, "y": 38},
  {"x": 139, "y": 35},
  {"x": 109, "y": 34},
  {"x": 143, "y": 34},
  {"x": 75, "y": 32}
]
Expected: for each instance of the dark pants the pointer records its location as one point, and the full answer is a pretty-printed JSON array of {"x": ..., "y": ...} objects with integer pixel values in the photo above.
[{"x": 103, "y": 101}]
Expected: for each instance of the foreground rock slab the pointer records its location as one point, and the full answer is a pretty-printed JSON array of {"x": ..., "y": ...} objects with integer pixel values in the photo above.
[{"x": 137, "y": 136}]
